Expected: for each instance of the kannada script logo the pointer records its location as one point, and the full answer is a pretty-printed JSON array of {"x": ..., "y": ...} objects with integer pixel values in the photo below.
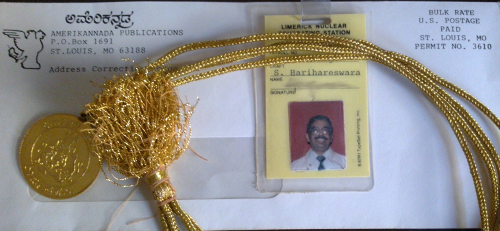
[{"x": 27, "y": 47}]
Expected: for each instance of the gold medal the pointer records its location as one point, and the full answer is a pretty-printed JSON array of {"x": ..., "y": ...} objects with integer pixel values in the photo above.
[{"x": 56, "y": 159}]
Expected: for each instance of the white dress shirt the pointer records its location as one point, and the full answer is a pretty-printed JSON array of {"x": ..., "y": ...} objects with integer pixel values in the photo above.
[{"x": 309, "y": 162}]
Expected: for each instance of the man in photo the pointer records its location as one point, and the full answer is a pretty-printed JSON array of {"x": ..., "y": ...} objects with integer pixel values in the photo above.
[{"x": 320, "y": 156}]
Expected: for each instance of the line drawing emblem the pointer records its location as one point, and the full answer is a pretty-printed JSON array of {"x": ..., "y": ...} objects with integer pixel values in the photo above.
[{"x": 27, "y": 46}]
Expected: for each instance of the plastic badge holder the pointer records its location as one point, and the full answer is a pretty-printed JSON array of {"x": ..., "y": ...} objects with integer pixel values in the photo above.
[
  {"x": 305, "y": 184},
  {"x": 315, "y": 11}
]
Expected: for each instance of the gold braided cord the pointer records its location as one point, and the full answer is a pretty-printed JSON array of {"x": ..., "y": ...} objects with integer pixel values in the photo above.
[
  {"x": 481, "y": 141},
  {"x": 476, "y": 133},
  {"x": 252, "y": 53},
  {"x": 491, "y": 169},
  {"x": 331, "y": 48},
  {"x": 150, "y": 138},
  {"x": 472, "y": 131},
  {"x": 458, "y": 126},
  {"x": 168, "y": 206},
  {"x": 318, "y": 38}
]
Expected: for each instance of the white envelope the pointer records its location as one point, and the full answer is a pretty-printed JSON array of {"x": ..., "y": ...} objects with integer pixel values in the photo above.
[{"x": 421, "y": 177}]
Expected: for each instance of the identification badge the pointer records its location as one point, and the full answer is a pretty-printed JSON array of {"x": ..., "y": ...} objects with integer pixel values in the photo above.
[{"x": 317, "y": 113}]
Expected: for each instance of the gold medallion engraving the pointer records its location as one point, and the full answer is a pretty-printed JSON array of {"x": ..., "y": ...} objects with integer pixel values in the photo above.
[{"x": 56, "y": 159}]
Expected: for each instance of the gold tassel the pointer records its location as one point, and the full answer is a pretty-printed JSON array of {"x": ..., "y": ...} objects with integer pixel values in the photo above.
[{"x": 140, "y": 126}]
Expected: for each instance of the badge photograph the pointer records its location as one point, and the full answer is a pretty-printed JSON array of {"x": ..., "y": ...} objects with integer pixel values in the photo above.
[{"x": 317, "y": 136}]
